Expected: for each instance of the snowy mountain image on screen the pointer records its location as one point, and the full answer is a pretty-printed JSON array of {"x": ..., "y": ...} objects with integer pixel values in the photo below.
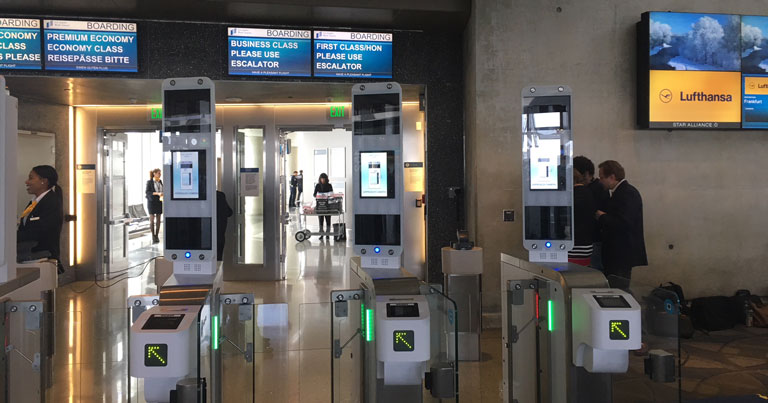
[
  {"x": 683, "y": 41},
  {"x": 754, "y": 44}
]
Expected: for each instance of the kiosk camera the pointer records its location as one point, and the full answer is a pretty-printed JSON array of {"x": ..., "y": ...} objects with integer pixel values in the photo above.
[
  {"x": 402, "y": 339},
  {"x": 377, "y": 166},
  {"x": 606, "y": 325},
  {"x": 163, "y": 346},
  {"x": 189, "y": 126},
  {"x": 547, "y": 173},
  {"x": 9, "y": 111}
]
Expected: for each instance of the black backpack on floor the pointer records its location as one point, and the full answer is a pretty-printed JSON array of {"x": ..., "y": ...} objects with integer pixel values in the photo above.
[{"x": 715, "y": 313}]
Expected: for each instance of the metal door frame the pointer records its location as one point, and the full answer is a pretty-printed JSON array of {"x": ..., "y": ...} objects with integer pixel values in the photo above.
[{"x": 100, "y": 186}]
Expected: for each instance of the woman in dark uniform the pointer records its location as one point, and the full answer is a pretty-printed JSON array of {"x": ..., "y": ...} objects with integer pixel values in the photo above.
[
  {"x": 40, "y": 223},
  {"x": 154, "y": 191}
]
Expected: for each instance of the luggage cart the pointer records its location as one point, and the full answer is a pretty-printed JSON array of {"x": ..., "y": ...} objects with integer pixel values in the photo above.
[{"x": 339, "y": 229}]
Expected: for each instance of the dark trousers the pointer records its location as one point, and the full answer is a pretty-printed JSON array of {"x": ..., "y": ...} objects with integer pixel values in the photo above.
[
  {"x": 292, "y": 198},
  {"x": 327, "y": 219}
]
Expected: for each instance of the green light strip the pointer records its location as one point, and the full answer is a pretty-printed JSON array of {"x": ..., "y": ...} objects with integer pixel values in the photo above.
[
  {"x": 369, "y": 325},
  {"x": 550, "y": 314},
  {"x": 215, "y": 332},
  {"x": 362, "y": 319}
]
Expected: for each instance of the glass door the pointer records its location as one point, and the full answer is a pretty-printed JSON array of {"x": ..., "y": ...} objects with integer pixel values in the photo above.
[
  {"x": 249, "y": 200},
  {"x": 282, "y": 165},
  {"x": 115, "y": 209}
]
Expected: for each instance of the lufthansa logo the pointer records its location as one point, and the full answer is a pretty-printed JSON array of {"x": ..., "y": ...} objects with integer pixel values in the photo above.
[{"x": 665, "y": 96}]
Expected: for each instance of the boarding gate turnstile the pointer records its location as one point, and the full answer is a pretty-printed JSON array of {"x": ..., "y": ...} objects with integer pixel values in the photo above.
[
  {"x": 568, "y": 337},
  {"x": 367, "y": 338}
]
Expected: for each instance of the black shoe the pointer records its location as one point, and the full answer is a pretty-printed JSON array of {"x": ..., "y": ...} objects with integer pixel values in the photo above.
[{"x": 155, "y": 239}]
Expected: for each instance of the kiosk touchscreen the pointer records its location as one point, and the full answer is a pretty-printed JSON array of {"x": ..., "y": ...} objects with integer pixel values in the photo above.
[
  {"x": 190, "y": 202},
  {"x": 377, "y": 143},
  {"x": 547, "y": 173}
]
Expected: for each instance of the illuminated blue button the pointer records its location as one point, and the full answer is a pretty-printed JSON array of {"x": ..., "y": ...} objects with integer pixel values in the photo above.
[
  {"x": 187, "y": 255},
  {"x": 377, "y": 249},
  {"x": 548, "y": 245}
]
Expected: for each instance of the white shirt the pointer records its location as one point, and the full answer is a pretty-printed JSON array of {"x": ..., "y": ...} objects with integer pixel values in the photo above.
[
  {"x": 158, "y": 186},
  {"x": 610, "y": 191},
  {"x": 38, "y": 198}
]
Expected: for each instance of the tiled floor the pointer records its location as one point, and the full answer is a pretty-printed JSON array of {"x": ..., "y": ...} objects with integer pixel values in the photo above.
[{"x": 291, "y": 334}]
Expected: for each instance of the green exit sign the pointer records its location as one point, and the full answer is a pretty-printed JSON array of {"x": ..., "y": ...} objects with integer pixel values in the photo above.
[
  {"x": 155, "y": 113},
  {"x": 337, "y": 111}
]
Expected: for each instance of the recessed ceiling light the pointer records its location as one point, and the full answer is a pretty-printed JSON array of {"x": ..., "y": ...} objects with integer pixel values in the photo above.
[{"x": 233, "y": 99}]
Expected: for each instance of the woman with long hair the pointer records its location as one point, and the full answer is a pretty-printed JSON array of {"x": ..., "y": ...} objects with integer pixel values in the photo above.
[
  {"x": 41, "y": 222},
  {"x": 323, "y": 188},
  {"x": 154, "y": 192}
]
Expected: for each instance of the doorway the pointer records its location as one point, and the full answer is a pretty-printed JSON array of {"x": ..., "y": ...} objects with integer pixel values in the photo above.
[
  {"x": 128, "y": 156},
  {"x": 318, "y": 150}
]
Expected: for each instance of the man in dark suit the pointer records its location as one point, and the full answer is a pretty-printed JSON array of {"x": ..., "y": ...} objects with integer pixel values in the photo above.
[
  {"x": 223, "y": 212},
  {"x": 621, "y": 225}
]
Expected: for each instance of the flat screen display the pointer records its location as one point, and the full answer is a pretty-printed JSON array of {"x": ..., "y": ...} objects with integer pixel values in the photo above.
[
  {"x": 163, "y": 322},
  {"x": 20, "y": 44},
  {"x": 403, "y": 310},
  {"x": 377, "y": 174},
  {"x": 90, "y": 46},
  {"x": 269, "y": 52},
  {"x": 352, "y": 54},
  {"x": 754, "y": 68},
  {"x": 548, "y": 223},
  {"x": 187, "y": 111},
  {"x": 380, "y": 229},
  {"x": 188, "y": 172},
  {"x": 545, "y": 164},
  {"x": 690, "y": 70},
  {"x": 611, "y": 301},
  {"x": 376, "y": 114},
  {"x": 188, "y": 233}
]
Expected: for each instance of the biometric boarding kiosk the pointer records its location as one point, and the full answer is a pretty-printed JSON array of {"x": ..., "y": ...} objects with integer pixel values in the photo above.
[
  {"x": 564, "y": 330},
  {"x": 547, "y": 173},
  {"x": 397, "y": 345},
  {"x": 189, "y": 201},
  {"x": 377, "y": 166},
  {"x": 168, "y": 341}
]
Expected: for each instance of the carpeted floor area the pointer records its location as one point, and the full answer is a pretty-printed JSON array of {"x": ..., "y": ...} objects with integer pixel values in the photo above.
[{"x": 718, "y": 367}]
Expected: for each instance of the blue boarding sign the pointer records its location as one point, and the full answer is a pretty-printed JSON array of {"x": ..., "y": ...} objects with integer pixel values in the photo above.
[
  {"x": 20, "y": 44},
  {"x": 90, "y": 46},
  {"x": 269, "y": 52},
  {"x": 352, "y": 54}
]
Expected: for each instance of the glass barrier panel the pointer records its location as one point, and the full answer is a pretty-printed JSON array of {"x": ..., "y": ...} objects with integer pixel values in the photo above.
[
  {"x": 235, "y": 325},
  {"x": 654, "y": 370},
  {"x": 67, "y": 357},
  {"x": 24, "y": 332},
  {"x": 204, "y": 352},
  {"x": 443, "y": 342},
  {"x": 314, "y": 352},
  {"x": 348, "y": 339}
]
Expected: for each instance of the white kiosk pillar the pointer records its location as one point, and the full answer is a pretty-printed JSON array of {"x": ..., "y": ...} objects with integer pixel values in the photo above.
[{"x": 9, "y": 111}]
